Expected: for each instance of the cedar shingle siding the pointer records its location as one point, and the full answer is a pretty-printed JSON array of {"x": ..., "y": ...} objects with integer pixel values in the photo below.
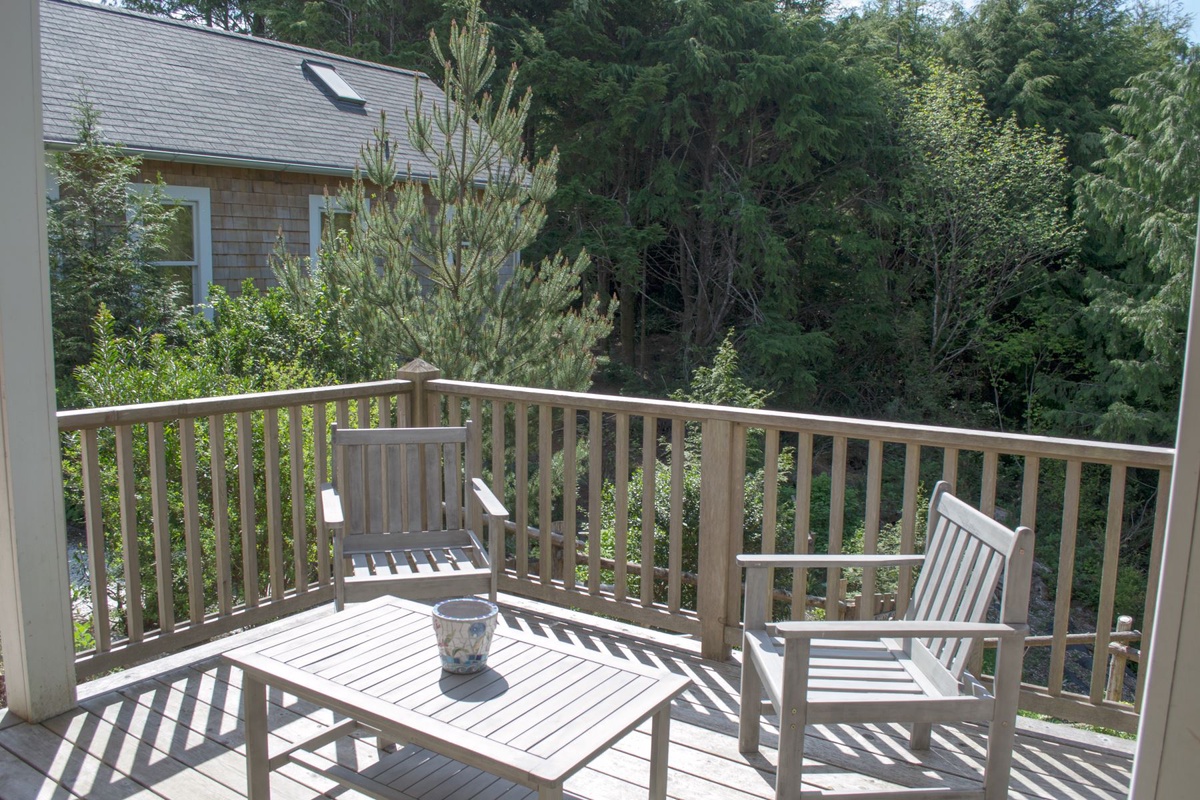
[{"x": 249, "y": 209}]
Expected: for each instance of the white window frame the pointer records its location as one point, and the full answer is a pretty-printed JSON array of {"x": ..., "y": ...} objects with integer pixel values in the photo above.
[
  {"x": 201, "y": 199},
  {"x": 316, "y": 207}
]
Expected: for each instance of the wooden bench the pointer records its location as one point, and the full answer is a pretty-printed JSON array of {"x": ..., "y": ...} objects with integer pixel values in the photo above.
[
  {"x": 910, "y": 670},
  {"x": 400, "y": 523}
]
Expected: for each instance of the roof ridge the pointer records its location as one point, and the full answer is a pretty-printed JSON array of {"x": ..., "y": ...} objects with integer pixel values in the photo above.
[{"x": 98, "y": 5}]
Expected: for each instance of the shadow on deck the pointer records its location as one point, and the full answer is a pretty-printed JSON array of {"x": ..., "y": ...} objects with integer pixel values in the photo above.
[{"x": 173, "y": 730}]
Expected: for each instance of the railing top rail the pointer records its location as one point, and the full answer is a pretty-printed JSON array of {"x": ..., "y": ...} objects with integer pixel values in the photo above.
[
  {"x": 929, "y": 435},
  {"x": 84, "y": 418}
]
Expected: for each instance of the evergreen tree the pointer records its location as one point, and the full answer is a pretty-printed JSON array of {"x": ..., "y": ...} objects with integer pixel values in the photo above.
[
  {"x": 429, "y": 270},
  {"x": 1056, "y": 63},
  {"x": 102, "y": 242},
  {"x": 1143, "y": 197}
]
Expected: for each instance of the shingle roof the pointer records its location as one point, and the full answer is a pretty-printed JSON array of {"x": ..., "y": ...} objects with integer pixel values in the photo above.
[{"x": 164, "y": 86}]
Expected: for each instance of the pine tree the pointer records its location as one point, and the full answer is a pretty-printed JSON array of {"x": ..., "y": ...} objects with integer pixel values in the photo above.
[
  {"x": 430, "y": 271},
  {"x": 102, "y": 240},
  {"x": 1143, "y": 197}
]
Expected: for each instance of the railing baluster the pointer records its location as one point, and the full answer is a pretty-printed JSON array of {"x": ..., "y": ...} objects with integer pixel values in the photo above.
[
  {"x": 220, "y": 491},
  {"x": 770, "y": 506},
  {"x": 363, "y": 411},
  {"x": 296, "y": 463},
  {"x": 621, "y": 510},
  {"x": 474, "y": 511},
  {"x": 1153, "y": 573},
  {"x": 803, "y": 529},
  {"x": 94, "y": 514},
  {"x": 570, "y": 495},
  {"x": 950, "y": 468},
  {"x": 191, "y": 520},
  {"x": 837, "y": 514},
  {"x": 1066, "y": 573},
  {"x": 675, "y": 535},
  {"x": 908, "y": 524},
  {"x": 274, "y": 503},
  {"x": 320, "y": 478},
  {"x": 595, "y": 487},
  {"x": 522, "y": 498},
  {"x": 737, "y": 525},
  {"x": 156, "y": 449},
  {"x": 866, "y": 601},
  {"x": 127, "y": 498},
  {"x": 545, "y": 497},
  {"x": 987, "y": 492},
  {"x": 498, "y": 446},
  {"x": 246, "y": 510},
  {"x": 1029, "y": 492},
  {"x": 1108, "y": 582},
  {"x": 649, "y": 464},
  {"x": 498, "y": 486}
]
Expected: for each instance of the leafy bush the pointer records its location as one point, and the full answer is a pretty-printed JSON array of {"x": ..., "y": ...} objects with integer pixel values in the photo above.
[{"x": 141, "y": 368}]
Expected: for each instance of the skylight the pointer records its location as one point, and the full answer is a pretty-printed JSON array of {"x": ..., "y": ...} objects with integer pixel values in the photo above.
[{"x": 334, "y": 83}]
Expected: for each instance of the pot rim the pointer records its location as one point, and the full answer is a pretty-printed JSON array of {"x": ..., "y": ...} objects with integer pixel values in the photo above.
[{"x": 489, "y": 609}]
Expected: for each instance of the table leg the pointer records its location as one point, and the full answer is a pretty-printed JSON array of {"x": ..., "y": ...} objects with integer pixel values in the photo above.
[
  {"x": 254, "y": 712},
  {"x": 550, "y": 791},
  {"x": 660, "y": 738}
]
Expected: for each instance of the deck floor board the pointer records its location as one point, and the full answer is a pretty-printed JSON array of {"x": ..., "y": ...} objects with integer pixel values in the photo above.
[{"x": 178, "y": 735}]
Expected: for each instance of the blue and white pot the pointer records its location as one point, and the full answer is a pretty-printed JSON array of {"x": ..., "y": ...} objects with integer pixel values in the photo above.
[{"x": 464, "y": 628}]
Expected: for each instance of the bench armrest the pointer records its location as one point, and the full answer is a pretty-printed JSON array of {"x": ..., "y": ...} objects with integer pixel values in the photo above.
[
  {"x": 491, "y": 504},
  {"x": 818, "y": 561},
  {"x": 893, "y": 629},
  {"x": 331, "y": 507}
]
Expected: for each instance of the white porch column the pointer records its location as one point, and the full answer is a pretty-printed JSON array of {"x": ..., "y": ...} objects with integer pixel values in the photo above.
[
  {"x": 35, "y": 613},
  {"x": 1168, "y": 754}
]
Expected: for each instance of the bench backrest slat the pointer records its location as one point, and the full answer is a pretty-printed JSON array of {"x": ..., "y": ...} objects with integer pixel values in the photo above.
[
  {"x": 394, "y": 480},
  {"x": 966, "y": 554}
]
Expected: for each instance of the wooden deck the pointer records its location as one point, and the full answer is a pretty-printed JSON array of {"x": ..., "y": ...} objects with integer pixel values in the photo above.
[{"x": 172, "y": 730}]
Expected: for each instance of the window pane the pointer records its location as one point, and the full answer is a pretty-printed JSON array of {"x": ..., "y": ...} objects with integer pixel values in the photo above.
[
  {"x": 339, "y": 219},
  {"x": 181, "y": 238},
  {"x": 183, "y": 276}
]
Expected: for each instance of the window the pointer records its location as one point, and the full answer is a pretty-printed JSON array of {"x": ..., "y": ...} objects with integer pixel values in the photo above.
[
  {"x": 323, "y": 212},
  {"x": 333, "y": 83},
  {"x": 188, "y": 257}
]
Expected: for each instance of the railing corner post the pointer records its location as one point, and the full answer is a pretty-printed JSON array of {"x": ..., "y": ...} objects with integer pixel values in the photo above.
[
  {"x": 420, "y": 372},
  {"x": 716, "y": 536}
]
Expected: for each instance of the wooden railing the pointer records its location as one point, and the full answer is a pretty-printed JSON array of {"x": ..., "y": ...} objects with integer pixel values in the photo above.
[
  {"x": 582, "y": 458},
  {"x": 199, "y": 514},
  {"x": 200, "y": 519}
]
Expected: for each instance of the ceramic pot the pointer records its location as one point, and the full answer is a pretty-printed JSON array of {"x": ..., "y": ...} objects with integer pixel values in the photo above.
[{"x": 464, "y": 629}]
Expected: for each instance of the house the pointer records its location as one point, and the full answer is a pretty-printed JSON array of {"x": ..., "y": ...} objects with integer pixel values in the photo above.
[{"x": 247, "y": 134}]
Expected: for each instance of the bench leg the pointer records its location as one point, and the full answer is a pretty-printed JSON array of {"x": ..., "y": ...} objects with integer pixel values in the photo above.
[
  {"x": 1002, "y": 728},
  {"x": 919, "y": 738},
  {"x": 793, "y": 715},
  {"x": 660, "y": 740},
  {"x": 750, "y": 715},
  {"x": 550, "y": 792}
]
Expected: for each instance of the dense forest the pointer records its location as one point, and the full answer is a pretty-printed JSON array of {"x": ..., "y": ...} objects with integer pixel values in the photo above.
[{"x": 910, "y": 211}]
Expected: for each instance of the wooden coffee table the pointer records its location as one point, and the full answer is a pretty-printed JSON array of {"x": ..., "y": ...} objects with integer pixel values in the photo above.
[{"x": 539, "y": 713}]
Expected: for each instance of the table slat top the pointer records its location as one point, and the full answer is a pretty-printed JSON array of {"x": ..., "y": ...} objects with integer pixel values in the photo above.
[{"x": 540, "y": 709}]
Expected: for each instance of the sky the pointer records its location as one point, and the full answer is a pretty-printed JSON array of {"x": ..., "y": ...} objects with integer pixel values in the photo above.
[{"x": 1188, "y": 7}]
